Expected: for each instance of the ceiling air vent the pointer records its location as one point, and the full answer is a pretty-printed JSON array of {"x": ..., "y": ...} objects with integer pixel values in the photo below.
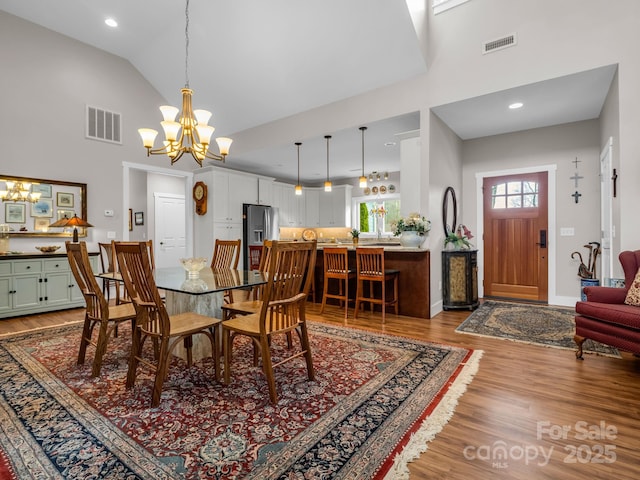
[
  {"x": 103, "y": 125},
  {"x": 499, "y": 43}
]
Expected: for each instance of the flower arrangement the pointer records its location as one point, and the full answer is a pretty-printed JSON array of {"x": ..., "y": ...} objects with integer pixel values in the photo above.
[
  {"x": 413, "y": 223},
  {"x": 378, "y": 210},
  {"x": 460, "y": 238}
]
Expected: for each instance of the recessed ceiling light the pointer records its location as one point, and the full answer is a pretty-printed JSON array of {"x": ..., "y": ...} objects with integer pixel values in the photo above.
[
  {"x": 111, "y": 22},
  {"x": 516, "y": 105}
]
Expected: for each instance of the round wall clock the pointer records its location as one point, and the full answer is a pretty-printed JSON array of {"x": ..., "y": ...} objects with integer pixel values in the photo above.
[{"x": 200, "y": 197}]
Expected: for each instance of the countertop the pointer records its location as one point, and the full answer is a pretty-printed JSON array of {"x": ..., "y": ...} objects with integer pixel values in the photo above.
[
  {"x": 14, "y": 255},
  {"x": 388, "y": 246}
]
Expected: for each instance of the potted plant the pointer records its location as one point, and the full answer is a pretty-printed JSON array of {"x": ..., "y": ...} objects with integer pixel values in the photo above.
[
  {"x": 459, "y": 240},
  {"x": 411, "y": 229},
  {"x": 355, "y": 235}
]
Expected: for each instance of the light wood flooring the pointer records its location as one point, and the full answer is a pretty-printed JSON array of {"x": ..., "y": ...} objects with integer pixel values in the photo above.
[{"x": 529, "y": 400}]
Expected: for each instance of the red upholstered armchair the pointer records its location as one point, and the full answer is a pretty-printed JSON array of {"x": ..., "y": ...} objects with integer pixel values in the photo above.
[{"x": 605, "y": 318}]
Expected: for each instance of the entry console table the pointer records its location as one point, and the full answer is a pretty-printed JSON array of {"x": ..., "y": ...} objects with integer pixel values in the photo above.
[
  {"x": 38, "y": 282},
  {"x": 459, "y": 279}
]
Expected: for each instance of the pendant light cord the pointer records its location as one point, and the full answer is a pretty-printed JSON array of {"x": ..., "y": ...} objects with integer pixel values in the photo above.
[
  {"x": 298, "y": 145},
  {"x": 362, "y": 129},
  {"x": 327, "y": 137}
]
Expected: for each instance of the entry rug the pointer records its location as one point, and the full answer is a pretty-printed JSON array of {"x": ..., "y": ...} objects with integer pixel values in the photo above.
[
  {"x": 527, "y": 323},
  {"x": 375, "y": 404}
]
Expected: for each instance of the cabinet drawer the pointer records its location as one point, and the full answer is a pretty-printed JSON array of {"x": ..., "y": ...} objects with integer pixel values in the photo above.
[
  {"x": 27, "y": 266},
  {"x": 5, "y": 268},
  {"x": 56, "y": 265}
]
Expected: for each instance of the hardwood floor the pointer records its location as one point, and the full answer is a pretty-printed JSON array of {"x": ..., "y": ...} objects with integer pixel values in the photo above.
[{"x": 555, "y": 417}]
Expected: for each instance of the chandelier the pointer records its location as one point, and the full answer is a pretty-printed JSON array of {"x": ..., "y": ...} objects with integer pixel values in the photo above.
[
  {"x": 191, "y": 133},
  {"x": 19, "y": 192}
]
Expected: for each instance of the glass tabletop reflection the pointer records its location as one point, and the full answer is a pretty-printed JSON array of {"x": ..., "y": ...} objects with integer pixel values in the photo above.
[
  {"x": 209, "y": 280},
  {"x": 177, "y": 279}
]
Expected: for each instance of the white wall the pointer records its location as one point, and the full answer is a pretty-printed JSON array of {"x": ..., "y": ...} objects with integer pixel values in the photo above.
[
  {"x": 447, "y": 147},
  {"x": 47, "y": 80},
  {"x": 558, "y": 146}
]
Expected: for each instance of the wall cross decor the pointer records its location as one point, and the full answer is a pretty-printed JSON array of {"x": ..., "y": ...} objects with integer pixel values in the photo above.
[
  {"x": 576, "y": 178},
  {"x": 576, "y": 196}
]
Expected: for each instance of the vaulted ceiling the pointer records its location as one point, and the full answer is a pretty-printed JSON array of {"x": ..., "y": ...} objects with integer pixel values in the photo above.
[{"x": 252, "y": 62}]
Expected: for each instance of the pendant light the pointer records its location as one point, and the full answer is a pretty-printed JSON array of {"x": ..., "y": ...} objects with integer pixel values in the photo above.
[
  {"x": 363, "y": 179},
  {"x": 327, "y": 184},
  {"x": 298, "y": 188}
]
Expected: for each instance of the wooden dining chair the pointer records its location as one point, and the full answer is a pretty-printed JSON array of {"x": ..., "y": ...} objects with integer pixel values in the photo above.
[
  {"x": 108, "y": 264},
  {"x": 336, "y": 268},
  {"x": 122, "y": 296},
  {"x": 153, "y": 322},
  {"x": 98, "y": 312},
  {"x": 254, "y": 303},
  {"x": 226, "y": 255},
  {"x": 283, "y": 311},
  {"x": 370, "y": 268},
  {"x": 255, "y": 253}
]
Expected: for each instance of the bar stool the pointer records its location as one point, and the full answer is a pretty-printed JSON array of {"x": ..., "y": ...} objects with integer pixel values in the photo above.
[
  {"x": 370, "y": 267},
  {"x": 336, "y": 266}
]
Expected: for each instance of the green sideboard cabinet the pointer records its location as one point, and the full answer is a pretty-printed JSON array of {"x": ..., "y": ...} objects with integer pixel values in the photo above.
[
  {"x": 459, "y": 279},
  {"x": 37, "y": 283}
]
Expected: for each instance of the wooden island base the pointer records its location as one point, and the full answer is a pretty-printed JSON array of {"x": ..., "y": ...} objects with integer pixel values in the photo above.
[{"x": 413, "y": 283}]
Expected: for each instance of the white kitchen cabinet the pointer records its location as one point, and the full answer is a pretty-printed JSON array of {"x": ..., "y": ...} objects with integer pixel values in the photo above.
[
  {"x": 265, "y": 191},
  {"x": 335, "y": 207},
  {"x": 291, "y": 206},
  {"x": 30, "y": 284},
  {"x": 312, "y": 207},
  {"x": 229, "y": 192}
]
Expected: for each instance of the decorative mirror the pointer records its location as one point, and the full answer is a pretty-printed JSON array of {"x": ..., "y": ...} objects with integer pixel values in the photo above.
[
  {"x": 29, "y": 212},
  {"x": 449, "y": 204}
]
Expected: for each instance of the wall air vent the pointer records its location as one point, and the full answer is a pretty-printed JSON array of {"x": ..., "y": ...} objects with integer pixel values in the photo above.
[
  {"x": 103, "y": 125},
  {"x": 499, "y": 43}
]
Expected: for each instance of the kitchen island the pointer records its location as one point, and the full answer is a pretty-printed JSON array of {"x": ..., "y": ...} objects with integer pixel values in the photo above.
[{"x": 413, "y": 282}]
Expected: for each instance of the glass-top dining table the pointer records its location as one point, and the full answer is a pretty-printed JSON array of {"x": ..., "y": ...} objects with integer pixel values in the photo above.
[{"x": 203, "y": 294}]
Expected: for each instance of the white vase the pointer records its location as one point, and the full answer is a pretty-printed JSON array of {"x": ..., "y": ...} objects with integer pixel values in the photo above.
[{"x": 411, "y": 239}]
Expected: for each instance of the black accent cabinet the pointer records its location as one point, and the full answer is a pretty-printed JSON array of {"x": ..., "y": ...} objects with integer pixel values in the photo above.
[{"x": 459, "y": 279}]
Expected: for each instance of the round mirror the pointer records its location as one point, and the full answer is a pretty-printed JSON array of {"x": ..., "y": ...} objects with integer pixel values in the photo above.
[{"x": 449, "y": 211}]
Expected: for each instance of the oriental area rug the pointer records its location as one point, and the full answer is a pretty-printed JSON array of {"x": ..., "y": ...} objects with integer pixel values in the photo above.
[
  {"x": 376, "y": 402},
  {"x": 528, "y": 323}
]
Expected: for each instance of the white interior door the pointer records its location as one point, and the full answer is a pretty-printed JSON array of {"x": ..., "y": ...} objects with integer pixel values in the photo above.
[
  {"x": 170, "y": 222},
  {"x": 606, "y": 216}
]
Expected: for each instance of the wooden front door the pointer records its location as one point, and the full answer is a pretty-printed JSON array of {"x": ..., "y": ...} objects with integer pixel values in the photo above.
[{"x": 515, "y": 236}]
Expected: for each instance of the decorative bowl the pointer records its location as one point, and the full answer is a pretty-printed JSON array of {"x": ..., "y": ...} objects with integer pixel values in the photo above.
[
  {"x": 193, "y": 265},
  {"x": 48, "y": 248}
]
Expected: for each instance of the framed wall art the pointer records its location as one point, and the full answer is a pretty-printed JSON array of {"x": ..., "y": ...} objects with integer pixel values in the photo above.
[
  {"x": 61, "y": 213},
  {"x": 44, "y": 189},
  {"x": 139, "y": 218},
  {"x": 15, "y": 213},
  {"x": 42, "y": 208},
  {"x": 41, "y": 224},
  {"x": 64, "y": 200}
]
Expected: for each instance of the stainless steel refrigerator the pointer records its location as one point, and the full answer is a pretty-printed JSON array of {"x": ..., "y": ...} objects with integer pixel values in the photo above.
[{"x": 260, "y": 222}]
